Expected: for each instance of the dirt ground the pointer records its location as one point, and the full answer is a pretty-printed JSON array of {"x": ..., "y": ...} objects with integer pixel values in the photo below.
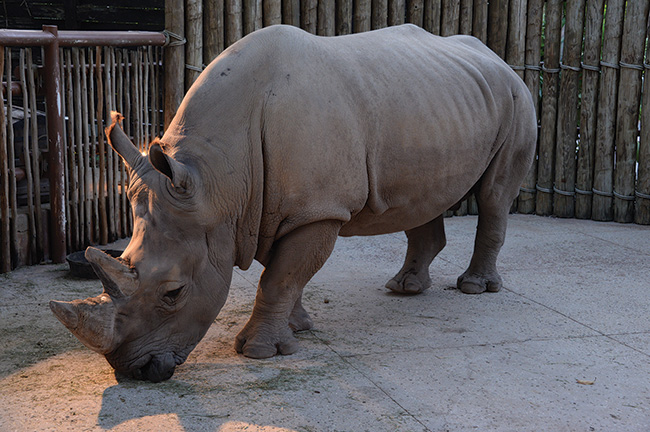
[{"x": 554, "y": 350}]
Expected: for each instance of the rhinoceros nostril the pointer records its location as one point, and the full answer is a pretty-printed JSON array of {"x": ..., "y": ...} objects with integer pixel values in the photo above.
[{"x": 160, "y": 368}]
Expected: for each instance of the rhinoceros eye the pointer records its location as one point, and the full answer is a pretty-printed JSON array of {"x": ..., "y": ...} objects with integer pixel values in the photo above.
[{"x": 170, "y": 297}]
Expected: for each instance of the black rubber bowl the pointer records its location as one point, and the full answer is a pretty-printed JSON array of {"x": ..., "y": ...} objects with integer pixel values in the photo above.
[{"x": 81, "y": 268}]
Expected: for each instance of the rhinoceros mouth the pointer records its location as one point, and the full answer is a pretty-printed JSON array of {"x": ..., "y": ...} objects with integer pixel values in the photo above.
[{"x": 154, "y": 368}]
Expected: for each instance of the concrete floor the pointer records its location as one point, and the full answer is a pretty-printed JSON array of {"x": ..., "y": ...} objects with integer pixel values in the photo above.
[{"x": 564, "y": 347}]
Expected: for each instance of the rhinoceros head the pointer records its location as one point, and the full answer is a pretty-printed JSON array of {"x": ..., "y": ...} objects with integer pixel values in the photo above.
[{"x": 162, "y": 294}]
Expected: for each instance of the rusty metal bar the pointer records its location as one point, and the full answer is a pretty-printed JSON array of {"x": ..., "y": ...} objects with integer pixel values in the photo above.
[
  {"x": 73, "y": 38},
  {"x": 52, "y": 77}
]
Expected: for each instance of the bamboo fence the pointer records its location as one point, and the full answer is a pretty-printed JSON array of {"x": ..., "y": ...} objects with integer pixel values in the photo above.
[
  {"x": 583, "y": 61},
  {"x": 94, "y": 81}
]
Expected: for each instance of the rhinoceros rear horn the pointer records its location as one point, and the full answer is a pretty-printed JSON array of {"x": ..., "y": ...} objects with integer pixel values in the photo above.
[
  {"x": 124, "y": 147},
  {"x": 118, "y": 279},
  {"x": 92, "y": 321}
]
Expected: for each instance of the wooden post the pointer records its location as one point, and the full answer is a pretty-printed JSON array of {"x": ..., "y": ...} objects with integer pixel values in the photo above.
[
  {"x": 602, "y": 209},
  {"x": 213, "y": 29},
  {"x": 396, "y": 12},
  {"x": 450, "y": 17},
  {"x": 362, "y": 12},
  {"x": 527, "y": 194},
  {"x": 326, "y": 19},
  {"x": 551, "y": 69},
  {"x": 516, "y": 46},
  {"x": 194, "y": 45},
  {"x": 273, "y": 12},
  {"x": 379, "y": 14},
  {"x": 249, "y": 15},
  {"x": 291, "y": 11},
  {"x": 431, "y": 16},
  {"x": 233, "y": 21},
  {"x": 589, "y": 107},
  {"x": 5, "y": 236},
  {"x": 567, "y": 116},
  {"x": 466, "y": 16},
  {"x": 174, "y": 59},
  {"x": 498, "y": 26},
  {"x": 11, "y": 149},
  {"x": 629, "y": 99},
  {"x": 416, "y": 13},
  {"x": 343, "y": 17},
  {"x": 480, "y": 20},
  {"x": 55, "y": 142},
  {"x": 642, "y": 208},
  {"x": 309, "y": 15}
]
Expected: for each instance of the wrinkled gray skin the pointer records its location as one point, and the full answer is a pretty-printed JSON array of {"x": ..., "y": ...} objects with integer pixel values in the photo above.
[{"x": 286, "y": 141}]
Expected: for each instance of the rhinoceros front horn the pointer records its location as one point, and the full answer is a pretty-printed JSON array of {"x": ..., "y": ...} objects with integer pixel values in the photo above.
[{"x": 92, "y": 321}]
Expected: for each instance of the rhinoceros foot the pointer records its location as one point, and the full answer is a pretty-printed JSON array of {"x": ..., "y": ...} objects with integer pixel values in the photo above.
[
  {"x": 409, "y": 282},
  {"x": 260, "y": 340},
  {"x": 470, "y": 283}
]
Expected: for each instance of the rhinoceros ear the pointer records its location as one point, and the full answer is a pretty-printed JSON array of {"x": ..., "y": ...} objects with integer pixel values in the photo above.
[
  {"x": 124, "y": 147},
  {"x": 175, "y": 171}
]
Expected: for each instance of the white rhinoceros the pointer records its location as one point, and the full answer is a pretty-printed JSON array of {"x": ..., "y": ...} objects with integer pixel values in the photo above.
[{"x": 286, "y": 141}]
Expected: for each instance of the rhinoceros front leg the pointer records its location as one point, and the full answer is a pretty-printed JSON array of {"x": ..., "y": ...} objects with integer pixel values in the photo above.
[
  {"x": 295, "y": 259},
  {"x": 424, "y": 243}
]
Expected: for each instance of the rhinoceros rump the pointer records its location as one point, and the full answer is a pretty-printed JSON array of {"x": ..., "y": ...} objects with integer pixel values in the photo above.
[{"x": 286, "y": 141}]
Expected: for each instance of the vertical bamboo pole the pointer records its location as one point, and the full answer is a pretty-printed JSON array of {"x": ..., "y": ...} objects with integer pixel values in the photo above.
[
  {"x": 450, "y": 17},
  {"x": 291, "y": 11},
  {"x": 415, "y": 13},
  {"x": 233, "y": 23},
  {"x": 5, "y": 233},
  {"x": 87, "y": 180},
  {"x": 526, "y": 201},
  {"x": 379, "y": 11},
  {"x": 101, "y": 149},
  {"x": 567, "y": 115},
  {"x": 249, "y": 16},
  {"x": 309, "y": 15},
  {"x": 213, "y": 29},
  {"x": 343, "y": 17},
  {"x": 69, "y": 228},
  {"x": 11, "y": 149},
  {"x": 516, "y": 46},
  {"x": 56, "y": 152},
  {"x": 36, "y": 158},
  {"x": 29, "y": 175},
  {"x": 326, "y": 19},
  {"x": 547, "y": 137},
  {"x": 642, "y": 208},
  {"x": 466, "y": 16},
  {"x": 498, "y": 26},
  {"x": 602, "y": 209},
  {"x": 362, "y": 13},
  {"x": 94, "y": 153},
  {"x": 194, "y": 45},
  {"x": 396, "y": 12},
  {"x": 480, "y": 20},
  {"x": 119, "y": 86},
  {"x": 589, "y": 106},
  {"x": 79, "y": 145},
  {"x": 174, "y": 59},
  {"x": 273, "y": 12},
  {"x": 629, "y": 99},
  {"x": 70, "y": 142}
]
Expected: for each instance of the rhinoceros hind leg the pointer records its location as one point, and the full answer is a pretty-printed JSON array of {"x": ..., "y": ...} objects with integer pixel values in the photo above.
[
  {"x": 424, "y": 243},
  {"x": 295, "y": 259}
]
